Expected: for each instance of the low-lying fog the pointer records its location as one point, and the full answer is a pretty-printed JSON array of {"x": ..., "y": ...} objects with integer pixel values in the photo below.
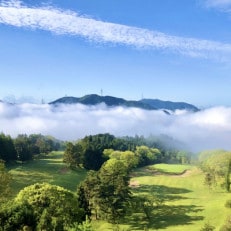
[{"x": 206, "y": 129}]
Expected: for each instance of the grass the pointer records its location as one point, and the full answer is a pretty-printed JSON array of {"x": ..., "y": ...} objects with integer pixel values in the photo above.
[
  {"x": 188, "y": 203},
  {"x": 170, "y": 168},
  {"x": 50, "y": 169}
]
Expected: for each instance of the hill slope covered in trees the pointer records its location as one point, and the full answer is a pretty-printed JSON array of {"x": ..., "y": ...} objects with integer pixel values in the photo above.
[{"x": 148, "y": 104}]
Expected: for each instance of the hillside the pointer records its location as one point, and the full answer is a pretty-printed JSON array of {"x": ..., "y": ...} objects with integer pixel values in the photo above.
[
  {"x": 148, "y": 104},
  {"x": 168, "y": 105}
]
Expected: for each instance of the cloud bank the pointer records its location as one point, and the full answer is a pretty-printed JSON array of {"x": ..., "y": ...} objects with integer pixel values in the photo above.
[
  {"x": 58, "y": 21},
  {"x": 207, "y": 129}
]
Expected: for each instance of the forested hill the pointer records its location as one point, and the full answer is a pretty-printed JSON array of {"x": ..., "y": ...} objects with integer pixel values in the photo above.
[
  {"x": 168, "y": 105},
  {"x": 148, "y": 104}
]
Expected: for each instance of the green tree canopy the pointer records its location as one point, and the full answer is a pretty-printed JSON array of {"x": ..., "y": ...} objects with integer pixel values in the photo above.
[
  {"x": 114, "y": 190},
  {"x": 5, "y": 180},
  {"x": 7, "y": 149},
  {"x": 54, "y": 207},
  {"x": 217, "y": 167}
]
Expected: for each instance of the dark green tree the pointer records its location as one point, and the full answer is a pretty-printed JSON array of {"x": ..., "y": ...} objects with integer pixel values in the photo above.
[
  {"x": 23, "y": 148},
  {"x": 84, "y": 199},
  {"x": 7, "y": 149},
  {"x": 73, "y": 155},
  {"x": 114, "y": 192},
  {"x": 88, "y": 194}
]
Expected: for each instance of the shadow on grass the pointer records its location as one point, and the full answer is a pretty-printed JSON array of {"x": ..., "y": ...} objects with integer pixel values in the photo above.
[
  {"x": 163, "y": 216},
  {"x": 162, "y": 191},
  {"x": 50, "y": 170}
]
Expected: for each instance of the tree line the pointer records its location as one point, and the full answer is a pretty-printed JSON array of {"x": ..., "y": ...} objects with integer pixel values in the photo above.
[
  {"x": 92, "y": 151},
  {"x": 24, "y": 147}
]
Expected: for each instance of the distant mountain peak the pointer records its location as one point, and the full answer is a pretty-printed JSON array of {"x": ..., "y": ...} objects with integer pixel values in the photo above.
[{"x": 147, "y": 104}]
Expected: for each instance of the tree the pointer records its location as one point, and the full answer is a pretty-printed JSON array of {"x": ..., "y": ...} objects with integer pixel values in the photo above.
[
  {"x": 114, "y": 191},
  {"x": 54, "y": 207},
  {"x": 73, "y": 155},
  {"x": 22, "y": 146},
  {"x": 17, "y": 216},
  {"x": 129, "y": 158},
  {"x": 83, "y": 200},
  {"x": 207, "y": 227},
  {"x": 5, "y": 180},
  {"x": 183, "y": 157},
  {"x": 227, "y": 176},
  {"x": 217, "y": 166},
  {"x": 93, "y": 147},
  {"x": 85, "y": 226},
  {"x": 147, "y": 155},
  {"x": 106, "y": 193},
  {"x": 7, "y": 149},
  {"x": 88, "y": 194}
]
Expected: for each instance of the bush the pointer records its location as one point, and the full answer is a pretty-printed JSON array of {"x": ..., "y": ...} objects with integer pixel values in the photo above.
[
  {"x": 207, "y": 227},
  {"x": 228, "y": 204}
]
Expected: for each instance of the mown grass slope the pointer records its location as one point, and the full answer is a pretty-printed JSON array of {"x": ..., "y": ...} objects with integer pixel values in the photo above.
[
  {"x": 50, "y": 169},
  {"x": 188, "y": 203},
  {"x": 170, "y": 168}
]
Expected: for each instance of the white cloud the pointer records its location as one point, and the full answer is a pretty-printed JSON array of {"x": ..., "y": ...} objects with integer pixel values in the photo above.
[
  {"x": 67, "y": 22},
  {"x": 220, "y": 4},
  {"x": 210, "y": 128}
]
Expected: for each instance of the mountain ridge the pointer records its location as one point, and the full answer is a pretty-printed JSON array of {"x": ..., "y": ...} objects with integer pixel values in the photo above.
[{"x": 147, "y": 104}]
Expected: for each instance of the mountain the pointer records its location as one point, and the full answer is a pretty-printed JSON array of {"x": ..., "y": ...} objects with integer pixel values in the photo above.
[
  {"x": 168, "y": 105},
  {"x": 111, "y": 101},
  {"x": 147, "y": 104}
]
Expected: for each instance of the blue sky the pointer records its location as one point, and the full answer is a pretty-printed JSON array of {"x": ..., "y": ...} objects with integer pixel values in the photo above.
[{"x": 172, "y": 50}]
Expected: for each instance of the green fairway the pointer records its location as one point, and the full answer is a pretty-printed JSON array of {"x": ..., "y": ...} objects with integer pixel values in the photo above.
[
  {"x": 170, "y": 168},
  {"x": 50, "y": 169},
  {"x": 188, "y": 203}
]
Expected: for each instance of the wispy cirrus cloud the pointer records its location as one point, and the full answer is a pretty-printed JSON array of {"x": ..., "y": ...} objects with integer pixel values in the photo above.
[
  {"x": 58, "y": 21},
  {"x": 220, "y": 4}
]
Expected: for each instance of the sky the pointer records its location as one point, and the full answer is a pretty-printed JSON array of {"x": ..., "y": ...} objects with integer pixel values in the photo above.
[{"x": 171, "y": 50}]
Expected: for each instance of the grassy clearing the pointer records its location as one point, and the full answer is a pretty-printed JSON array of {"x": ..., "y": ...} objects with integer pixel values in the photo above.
[
  {"x": 48, "y": 169},
  {"x": 188, "y": 203},
  {"x": 170, "y": 168}
]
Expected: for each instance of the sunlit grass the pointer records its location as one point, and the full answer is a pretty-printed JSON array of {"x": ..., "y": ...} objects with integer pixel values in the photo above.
[
  {"x": 188, "y": 203},
  {"x": 170, "y": 168},
  {"x": 50, "y": 169}
]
